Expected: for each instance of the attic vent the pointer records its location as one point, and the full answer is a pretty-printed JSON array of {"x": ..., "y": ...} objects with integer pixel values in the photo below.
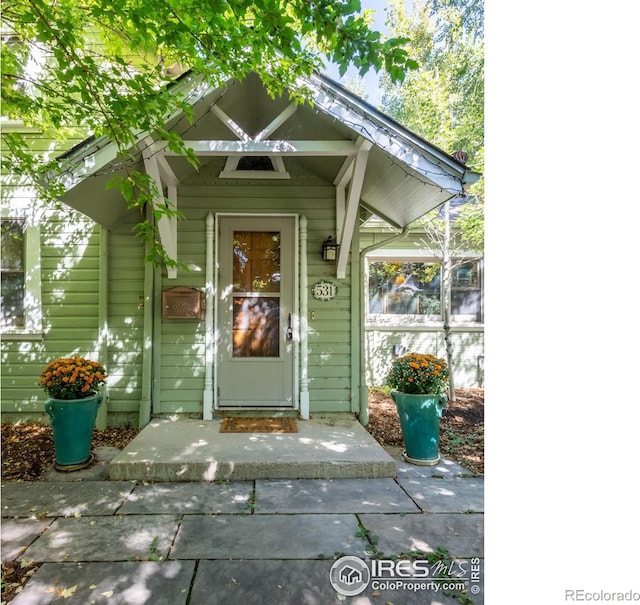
[
  {"x": 255, "y": 167},
  {"x": 259, "y": 162}
]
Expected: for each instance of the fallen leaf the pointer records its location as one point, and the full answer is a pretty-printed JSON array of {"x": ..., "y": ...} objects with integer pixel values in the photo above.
[
  {"x": 108, "y": 593},
  {"x": 67, "y": 592}
]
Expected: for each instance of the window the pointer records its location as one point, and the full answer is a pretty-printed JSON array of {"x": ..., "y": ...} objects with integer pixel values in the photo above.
[
  {"x": 466, "y": 295},
  {"x": 411, "y": 291},
  {"x": 20, "y": 291},
  {"x": 397, "y": 288},
  {"x": 12, "y": 255}
]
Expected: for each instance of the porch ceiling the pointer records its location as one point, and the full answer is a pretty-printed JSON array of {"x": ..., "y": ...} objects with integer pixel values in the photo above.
[{"x": 404, "y": 176}]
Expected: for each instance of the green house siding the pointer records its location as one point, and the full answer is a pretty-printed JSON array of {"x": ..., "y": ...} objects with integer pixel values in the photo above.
[
  {"x": 69, "y": 252},
  {"x": 125, "y": 322},
  {"x": 383, "y": 344},
  {"x": 179, "y": 355},
  {"x": 72, "y": 295}
]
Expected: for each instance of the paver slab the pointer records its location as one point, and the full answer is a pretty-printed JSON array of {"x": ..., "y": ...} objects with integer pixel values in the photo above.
[
  {"x": 455, "y": 495},
  {"x": 98, "y": 471},
  {"x": 117, "y": 538},
  {"x": 120, "y": 583},
  {"x": 18, "y": 534},
  {"x": 292, "y": 583},
  {"x": 462, "y": 535},
  {"x": 267, "y": 537},
  {"x": 189, "y": 498},
  {"x": 63, "y": 499},
  {"x": 444, "y": 468},
  {"x": 332, "y": 496}
]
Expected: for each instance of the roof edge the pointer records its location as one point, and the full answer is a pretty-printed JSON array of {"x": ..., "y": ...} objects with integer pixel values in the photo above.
[{"x": 467, "y": 175}]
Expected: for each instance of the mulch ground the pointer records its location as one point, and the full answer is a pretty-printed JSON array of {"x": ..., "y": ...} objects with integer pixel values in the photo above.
[
  {"x": 28, "y": 451},
  {"x": 461, "y": 426},
  {"x": 27, "y": 448}
]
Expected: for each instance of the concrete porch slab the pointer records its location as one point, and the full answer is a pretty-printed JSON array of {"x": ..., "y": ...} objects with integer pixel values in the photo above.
[{"x": 195, "y": 450}]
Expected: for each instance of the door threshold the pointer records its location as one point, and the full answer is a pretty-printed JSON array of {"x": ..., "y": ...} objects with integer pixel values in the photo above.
[{"x": 256, "y": 412}]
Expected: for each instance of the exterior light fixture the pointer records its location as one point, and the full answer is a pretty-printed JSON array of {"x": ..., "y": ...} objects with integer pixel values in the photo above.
[{"x": 329, "y": 250}]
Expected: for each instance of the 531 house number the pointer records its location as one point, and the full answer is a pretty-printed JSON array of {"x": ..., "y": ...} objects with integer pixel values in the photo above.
[{"x": 324, "y": 290}]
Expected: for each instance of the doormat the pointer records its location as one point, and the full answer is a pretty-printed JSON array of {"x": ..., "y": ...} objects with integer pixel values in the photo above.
[{"x": 258, "y": 425}]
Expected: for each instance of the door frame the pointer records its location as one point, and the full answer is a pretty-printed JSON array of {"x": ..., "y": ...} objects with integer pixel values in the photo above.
[{"x": 296, "y": 305}]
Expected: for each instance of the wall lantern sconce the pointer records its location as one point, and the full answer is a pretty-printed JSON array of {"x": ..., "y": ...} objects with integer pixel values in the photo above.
[{"x": 329, "y": 250}]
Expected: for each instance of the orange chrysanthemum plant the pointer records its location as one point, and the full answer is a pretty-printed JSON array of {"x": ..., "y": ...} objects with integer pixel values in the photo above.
[
  {"x": 418, "y": 373},
  {"x": 72, "y": 378}
]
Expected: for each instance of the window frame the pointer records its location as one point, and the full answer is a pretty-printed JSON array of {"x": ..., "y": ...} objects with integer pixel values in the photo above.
[
  {"x": 33, "y": 325},
  {"x": 461, "y": 318}
]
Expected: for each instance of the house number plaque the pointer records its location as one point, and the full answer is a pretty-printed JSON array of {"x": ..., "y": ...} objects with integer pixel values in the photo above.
[{"x": 324, "y": 290}]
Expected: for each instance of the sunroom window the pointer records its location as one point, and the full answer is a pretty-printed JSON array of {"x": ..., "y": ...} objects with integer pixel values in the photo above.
[
  {"x": 397, "y": 288},
  {"x": 466, "y": 293},
  {"x": 411, "y": 292}
]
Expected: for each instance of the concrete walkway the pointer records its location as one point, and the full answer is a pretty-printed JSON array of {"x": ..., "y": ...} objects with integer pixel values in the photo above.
[{"x": 263, "y": 541}]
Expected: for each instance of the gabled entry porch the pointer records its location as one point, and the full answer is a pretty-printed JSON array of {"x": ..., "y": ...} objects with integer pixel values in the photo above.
[
  {"x": 260, "y": 337},
  {"x": 195, "y": 450}
]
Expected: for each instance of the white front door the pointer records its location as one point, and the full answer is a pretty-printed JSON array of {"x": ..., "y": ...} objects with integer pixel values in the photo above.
[{"x": 256, "y": 299}]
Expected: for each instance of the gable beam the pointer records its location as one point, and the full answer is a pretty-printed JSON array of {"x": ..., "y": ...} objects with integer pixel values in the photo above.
[
  {"x": 343, "y": 177},
  {"x": 345, "y": 173},
  {"x": 166, "y": 172},
  {"x": 229, "y": 123},
  {"x": 167, "y": 226},
  {"x": 276, "y": 123},
  {"x": 352, "y": 205},
  {"x": 283, "y": 148}
]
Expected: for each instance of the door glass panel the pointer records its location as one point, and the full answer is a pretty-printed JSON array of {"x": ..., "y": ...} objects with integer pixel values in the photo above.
[
  {"x": 256, "y": 326},
  {"x": 256, "y": 270},
  {"x": 256, "y": 261}
]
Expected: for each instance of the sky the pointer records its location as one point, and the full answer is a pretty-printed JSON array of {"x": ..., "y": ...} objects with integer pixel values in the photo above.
[{"x": 372, "y": 93}]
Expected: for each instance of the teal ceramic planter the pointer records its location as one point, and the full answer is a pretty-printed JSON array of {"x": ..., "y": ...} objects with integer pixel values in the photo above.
[
  {"x": 420, "y": 422},
  {"x": 73, "y": 422}
]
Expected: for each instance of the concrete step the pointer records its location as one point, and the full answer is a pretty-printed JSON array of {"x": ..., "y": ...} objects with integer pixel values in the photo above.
[{"x": 195, "y": 450}]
